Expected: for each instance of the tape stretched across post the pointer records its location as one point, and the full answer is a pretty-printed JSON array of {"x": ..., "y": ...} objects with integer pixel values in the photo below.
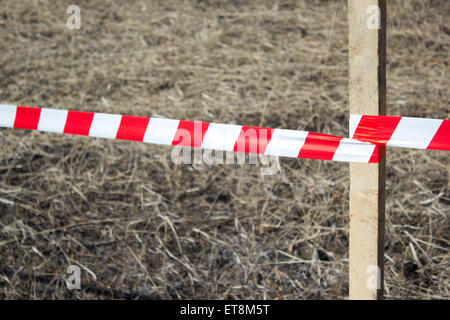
[
  {"x": 215, "y": 136},
  {"x": 404, "y": 132}
]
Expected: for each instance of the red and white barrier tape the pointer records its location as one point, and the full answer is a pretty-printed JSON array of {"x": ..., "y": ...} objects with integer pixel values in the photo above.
[
  {"x": 226, "y": 137},
  {"x": 405, "y": 132}
]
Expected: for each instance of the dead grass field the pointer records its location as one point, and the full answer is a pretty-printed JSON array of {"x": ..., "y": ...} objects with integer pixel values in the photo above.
[{"x": 143, "y": 227}]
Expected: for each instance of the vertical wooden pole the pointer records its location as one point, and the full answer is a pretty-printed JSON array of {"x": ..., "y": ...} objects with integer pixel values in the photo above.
[{"x": 367, "y": 95}]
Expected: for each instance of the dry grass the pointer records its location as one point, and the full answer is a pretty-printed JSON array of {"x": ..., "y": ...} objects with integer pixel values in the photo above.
[{"x": 142, "y": 227}]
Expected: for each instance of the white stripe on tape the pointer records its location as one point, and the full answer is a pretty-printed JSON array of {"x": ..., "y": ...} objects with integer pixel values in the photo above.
[
  {"x": 221, "y": 136},
  {"x": 7, "y": 115},
  {"x": 161, "y": 131},
  {"x": 286, "y": 143},
  {"x": 351, "y": 150},
  {"x": 105, "y": 125},
  {"x": 353, "y": 123},
  {"x": 52, "y": 120},
  {"x": 414, "y": 133}
]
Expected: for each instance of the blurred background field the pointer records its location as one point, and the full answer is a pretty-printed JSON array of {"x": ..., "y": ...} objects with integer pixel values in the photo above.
[{"x": 143, "y": 227}]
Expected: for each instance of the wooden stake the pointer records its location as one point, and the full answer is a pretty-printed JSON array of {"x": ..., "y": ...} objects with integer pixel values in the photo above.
[{"x": 367, "y": 88}]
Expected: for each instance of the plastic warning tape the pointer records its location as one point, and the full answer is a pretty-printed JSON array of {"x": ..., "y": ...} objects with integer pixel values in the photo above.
[
  {"x": 405, "y": 132},
  {"x": 216, "y": 136}
]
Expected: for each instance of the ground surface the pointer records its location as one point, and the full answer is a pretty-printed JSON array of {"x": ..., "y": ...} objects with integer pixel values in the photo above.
[{"x": 141, "y": 226}]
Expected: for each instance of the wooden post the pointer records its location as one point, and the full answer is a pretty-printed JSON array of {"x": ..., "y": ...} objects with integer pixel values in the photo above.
[{"x": 367, "y": 95}]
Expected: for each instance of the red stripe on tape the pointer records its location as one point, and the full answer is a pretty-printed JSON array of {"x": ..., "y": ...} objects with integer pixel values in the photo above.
[
  {"x": 376, "y": 129},
  {"x": 78, "y": 122},
  {"x": 253, "y": 140},
  {"x": 132, "y": 128},
  {"x": 319, "y": 146},
  {"x": 27, "y": 117},
  {"x": 441, "y": 140},
  {"x": 190, "y": 133},
  {"x": 379, "y": 152}
]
